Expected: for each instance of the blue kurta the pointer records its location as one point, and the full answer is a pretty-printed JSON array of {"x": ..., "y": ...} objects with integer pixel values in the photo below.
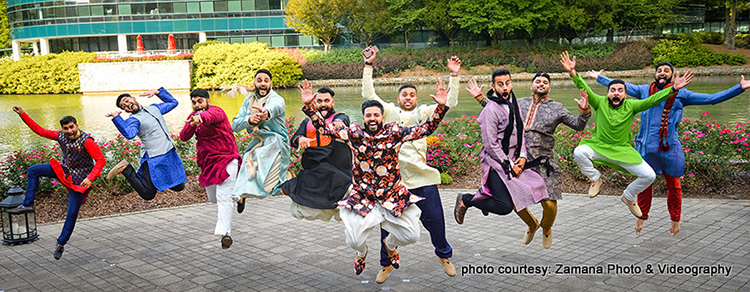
[
  {"x": 275, "y": 144},
  {"x": 672, "y": 161},
  {"x": 166, "y": 170}
]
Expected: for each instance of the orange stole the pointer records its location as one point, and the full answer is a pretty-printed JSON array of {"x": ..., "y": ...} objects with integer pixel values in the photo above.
[{"x": 312, "y": 133}]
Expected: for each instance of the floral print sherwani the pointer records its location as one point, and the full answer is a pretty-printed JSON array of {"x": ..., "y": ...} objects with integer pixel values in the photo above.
[{"x": 375, "y": 172}]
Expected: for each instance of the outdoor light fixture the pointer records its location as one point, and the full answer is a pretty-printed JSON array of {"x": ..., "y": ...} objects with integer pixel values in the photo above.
[{"x": 17, "y": 227}]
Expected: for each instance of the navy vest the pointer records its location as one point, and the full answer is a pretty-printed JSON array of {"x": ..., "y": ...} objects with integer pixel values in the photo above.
[{"x": 77, "y": 162}]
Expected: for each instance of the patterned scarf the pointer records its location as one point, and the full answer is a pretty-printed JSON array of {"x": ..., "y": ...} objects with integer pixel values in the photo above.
[
  {"x": 514, "y": 119},
  {"x": 663, "y": 143}
]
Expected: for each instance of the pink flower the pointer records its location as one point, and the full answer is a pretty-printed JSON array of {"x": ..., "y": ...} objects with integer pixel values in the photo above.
[
  {"x": 691, "y": 175},
  {"x": 705, "y": 114},
  {"x": 54, "y": 182}
]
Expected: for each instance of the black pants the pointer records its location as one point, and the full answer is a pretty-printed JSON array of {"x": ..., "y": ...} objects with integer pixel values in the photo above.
[
  {"x": 500, "y": 203},
  {"x": 143, "y": 185}
]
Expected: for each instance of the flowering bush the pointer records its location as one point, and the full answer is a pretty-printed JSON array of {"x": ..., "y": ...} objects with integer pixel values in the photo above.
[{"x": 455, "y": 146}]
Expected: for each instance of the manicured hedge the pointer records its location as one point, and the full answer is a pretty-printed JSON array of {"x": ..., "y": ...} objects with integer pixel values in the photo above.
[
  {"x": 53, "y": 73},
  {"x": 220, "y": 64}
]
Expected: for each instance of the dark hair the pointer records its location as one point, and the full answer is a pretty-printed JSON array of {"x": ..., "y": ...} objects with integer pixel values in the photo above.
[
  {"x": 615, "y": 81},
  {"x": 540, "y": 74},
  {"x": 263, "y": 71},
  {"x": 200, "y": 92},
  {"x": 67, "y": 120},
  {"x": 407, "y": 85},
  {"x": 326, "y": 90},
  {"x": 371, "y": 103},
  {"x": 500, "y": 72},
  {"x": 119, "y": 98},
  {"x": 671, "y": 68}
]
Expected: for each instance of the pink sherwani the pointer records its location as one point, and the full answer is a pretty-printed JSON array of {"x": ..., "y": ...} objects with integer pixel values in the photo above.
[
  {"x": 526, "y": 190},
  {"x": 216, "y": 145}
]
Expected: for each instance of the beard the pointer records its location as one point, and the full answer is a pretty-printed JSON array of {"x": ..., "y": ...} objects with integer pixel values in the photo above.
[
  {"x": 325, "y": 111},
  {"x": 373, "y": 132},
  {"x": 612, "y": 104},
  {"x": 662, "y": 82},
  {"x": 265, "y": 91}
]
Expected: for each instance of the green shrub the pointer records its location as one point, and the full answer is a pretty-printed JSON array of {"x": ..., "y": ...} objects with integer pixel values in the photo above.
[
  {"x": 53, "y": 73},
  {"x": 682, "y": 54},
  {"x": 697, "y": 38},
  {"x": 742, "y": 41},
  {"x": 222, "y": 64},
  {"x": 445, "y": 178}
]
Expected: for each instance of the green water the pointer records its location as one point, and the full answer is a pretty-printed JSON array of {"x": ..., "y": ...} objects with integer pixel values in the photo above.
[{"x": 90, "y": 110}]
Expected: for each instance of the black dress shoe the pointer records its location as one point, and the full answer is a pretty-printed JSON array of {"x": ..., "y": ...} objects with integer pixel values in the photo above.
[
  {"x": 59, "y": 251},
  {"x": 241, "y": 205}
]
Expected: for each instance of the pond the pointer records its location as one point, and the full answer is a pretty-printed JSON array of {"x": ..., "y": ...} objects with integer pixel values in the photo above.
[{"x": 90, "y": 110}]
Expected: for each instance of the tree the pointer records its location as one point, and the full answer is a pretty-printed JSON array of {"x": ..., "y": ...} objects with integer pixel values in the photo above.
[
  {"x": 436, "y": 17},
  {"x": 406, "y": 16},
  {"x": 503, "y": 16},
  {"x": 583, "y": 18},
  {"x": 369, "y": 20},
  {"x": 4, "y": 28},
  {"x": 641, "y": 14},
  {"x": 319, "y": 18}
]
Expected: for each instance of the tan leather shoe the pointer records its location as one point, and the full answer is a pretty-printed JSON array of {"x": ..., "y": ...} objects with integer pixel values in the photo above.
[
  {"x": 594, "y": 189},
  {"x": 547, "y": 241},
  {"x": 383, "y": 274},
  {"x": 450, "y": 270},
  {"x": 117, "y": 169},
  {"x": 529, "y": 236},
  {"x": 632, "y": 206},
  {"x": 459, "y": 211}
]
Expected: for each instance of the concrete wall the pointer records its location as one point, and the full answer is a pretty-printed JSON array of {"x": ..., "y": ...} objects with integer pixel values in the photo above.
[{"x": 124, "y": 76}]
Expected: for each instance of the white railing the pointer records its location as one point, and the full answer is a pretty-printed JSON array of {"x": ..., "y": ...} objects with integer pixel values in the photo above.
[{"x": 117, "y": 54}]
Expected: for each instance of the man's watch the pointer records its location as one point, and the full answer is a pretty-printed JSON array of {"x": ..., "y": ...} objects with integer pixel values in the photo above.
[{"x": 368, "y": 63}]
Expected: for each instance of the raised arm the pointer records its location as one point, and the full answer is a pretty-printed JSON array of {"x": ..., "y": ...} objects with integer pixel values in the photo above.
[
  {"x": 656, "y": 98},
  {"x": 337, "y": 130},
  {"x": 433, "y": 121},
  {"x": 454, "y": 65},
  {"x": 477, "y": 92},
  {"x": 168, "y": 102},
  {"x": 578, "y": 122},
  {"x": 128, "y": 128},
  {"x": 36, "y": 128},
  {"x": 631, "y": 89},
  {"x": 694, "y": 98},
  {"x": 188, "y": 130},
  {"x": 570, "y": 65}
]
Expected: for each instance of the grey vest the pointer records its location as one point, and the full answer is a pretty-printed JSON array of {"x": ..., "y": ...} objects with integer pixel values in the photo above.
[{"x": 153, "y": 132}]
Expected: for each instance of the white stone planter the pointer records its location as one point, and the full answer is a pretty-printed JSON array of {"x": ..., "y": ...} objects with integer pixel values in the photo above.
[{"x": 141, "y": 75}]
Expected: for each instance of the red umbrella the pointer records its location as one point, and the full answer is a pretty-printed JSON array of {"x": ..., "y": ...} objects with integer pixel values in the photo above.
[
  {"x": 139, "y": 45},
  {"x": 171, "y": 46}
]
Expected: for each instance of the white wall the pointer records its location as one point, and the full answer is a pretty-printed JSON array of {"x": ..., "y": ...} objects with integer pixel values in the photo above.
[{"x": 142, "y": 75}]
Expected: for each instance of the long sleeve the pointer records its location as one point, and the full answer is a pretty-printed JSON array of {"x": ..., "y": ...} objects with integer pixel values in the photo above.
[
  {"x": 577, "y": 123},
  {"x": 49, "y": 134},
  {"x": 301, "y": 131},
  {"x": 323, "y": 126},
  {"x": 594, "y": 99},
  {"x": 453, "y": 83},
  {"x": 128, "y": 128},
  {"x": 212, "y": 115},
  {"x": 93, "y": 149},
  {"x": 694, "y": 98},
  {"x": 490, "y": 130},
  {"x": 631, "y": 89},
  {"x": 426, "y": 128},
  {"x": 390, "y": 110},
  {"x": 188, "y": 130},
  {"x": 656, "y": 98},
  {"x": 239, "y": 122},
  {"x": 276, "y": 107},
  {"x": 169, "y": 102}
]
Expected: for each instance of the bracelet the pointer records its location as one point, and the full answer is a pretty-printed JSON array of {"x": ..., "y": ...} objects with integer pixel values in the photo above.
[
  {"x": 368, "y": 63},
  {"x": 454, "y": 74}
]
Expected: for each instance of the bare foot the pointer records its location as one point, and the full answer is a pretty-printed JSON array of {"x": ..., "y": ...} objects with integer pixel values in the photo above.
[
  {"x": 638, "y": 226},
  {"x": 675, "y": 228}
]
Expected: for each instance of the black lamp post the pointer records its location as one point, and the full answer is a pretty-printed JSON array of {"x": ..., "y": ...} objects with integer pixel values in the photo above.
[{"x": 17, "y": 227}]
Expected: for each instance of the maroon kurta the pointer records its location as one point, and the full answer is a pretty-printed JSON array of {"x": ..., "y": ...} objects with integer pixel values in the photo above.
[{"x": 216, "y": 145}]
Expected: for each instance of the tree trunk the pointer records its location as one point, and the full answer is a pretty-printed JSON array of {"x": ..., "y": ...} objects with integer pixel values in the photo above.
[
  {"x": 326, "y": 47},
  {"x": 733, "y": 25},
  {"x": 726, "y": 26},
  {"x": 610, "y": 35}
]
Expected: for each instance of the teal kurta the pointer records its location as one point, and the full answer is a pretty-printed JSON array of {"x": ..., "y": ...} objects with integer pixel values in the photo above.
[
  {"x": 612, "y": 135},
  {"x": 275, "y": 144}
]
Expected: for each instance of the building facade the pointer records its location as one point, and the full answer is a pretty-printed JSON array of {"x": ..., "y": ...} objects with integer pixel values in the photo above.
[{"x": 113, "y": 25}]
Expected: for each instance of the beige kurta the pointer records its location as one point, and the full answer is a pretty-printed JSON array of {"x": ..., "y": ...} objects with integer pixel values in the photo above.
[{"x": 413, "y": 156}]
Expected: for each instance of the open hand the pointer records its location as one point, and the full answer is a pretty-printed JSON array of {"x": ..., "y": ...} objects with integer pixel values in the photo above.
[
  {"x": 568, "y": 63},
  {"x": 454, "y": 64},
  {"x": 473, "y": 89},
  {"x": 305, "y": 91},
  {"x": 680, "y": 82},
  {"x": 442, "y": 94},
  {"x": 149, "y": 93},
  {"x": 303, "y": 143},
  {"x": 745, "y": 84},
  {"x": 583, "y": 103},
  {"x": 113, "y": 114},
  {"x": 594, "y": 74},
  {"x": 19, "y": 110}
]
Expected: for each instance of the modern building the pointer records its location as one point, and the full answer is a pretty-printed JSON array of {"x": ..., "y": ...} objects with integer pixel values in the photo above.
[{"x": 113, "y": 25}]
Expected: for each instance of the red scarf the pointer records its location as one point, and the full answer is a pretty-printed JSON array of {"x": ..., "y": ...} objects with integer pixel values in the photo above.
[{"x": 663, "y": 143}]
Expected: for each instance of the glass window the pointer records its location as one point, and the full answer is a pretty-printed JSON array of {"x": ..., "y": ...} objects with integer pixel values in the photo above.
[
  {"x": 165, "y": 8},
  {"x": 291, "y": 40},
  {"x": 83, "y": 11},
  {"x": 234, "y": 6},
  {"x": 123, "y": 9},
  {"x": 207, "y": 7},
  {"x": 220, "y": 6},
  {"x": 59, "y": 11},
  {"x": 49, "y": 12},
  {"x": 248, "y": 5},
  {"x": 152, "y": 8},
  {"x": 274, "y": 4},
  {"x": 110, "y": 10},
  {"x": 179, "y": 8},
  {"x": 193, "y": 7},
  {"x": 277, "y": 41},
  {"x": 137, "y": 9},
  {"x": 251, "y": 39},
  {"x": 97, "y": 10},
  {"x": 261, "y": 4}
]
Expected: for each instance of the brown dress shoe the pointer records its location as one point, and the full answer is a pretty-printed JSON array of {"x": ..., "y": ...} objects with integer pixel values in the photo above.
[{"x": 459, "y": 211}]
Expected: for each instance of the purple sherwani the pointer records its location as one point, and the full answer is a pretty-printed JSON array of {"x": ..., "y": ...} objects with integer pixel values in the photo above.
[{"x": 526, "y": 190}]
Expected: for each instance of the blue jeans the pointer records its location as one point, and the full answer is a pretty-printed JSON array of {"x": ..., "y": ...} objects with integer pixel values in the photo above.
[
  {"x": 75, "y": 199},
  {"x": 432, "y": 220}
]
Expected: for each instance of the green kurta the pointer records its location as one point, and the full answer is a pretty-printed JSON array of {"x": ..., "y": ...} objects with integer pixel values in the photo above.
[{"x": 612, "y": 135}]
